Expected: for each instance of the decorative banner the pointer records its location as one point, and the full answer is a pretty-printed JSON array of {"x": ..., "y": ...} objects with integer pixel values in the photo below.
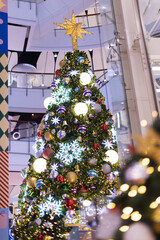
[
  {"x": 4, "y": 180},
  {"x": 4, "y": 224},
  {"x": 4, "y": 183}
]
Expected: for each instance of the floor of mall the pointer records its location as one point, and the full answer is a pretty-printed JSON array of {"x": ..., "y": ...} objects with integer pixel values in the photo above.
[{"x": 79, "y": 120}]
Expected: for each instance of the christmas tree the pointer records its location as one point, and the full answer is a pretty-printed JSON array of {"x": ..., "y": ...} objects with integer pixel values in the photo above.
[
  {"x": 75, "y": 150},
  {"x": 137, "y": 209}
]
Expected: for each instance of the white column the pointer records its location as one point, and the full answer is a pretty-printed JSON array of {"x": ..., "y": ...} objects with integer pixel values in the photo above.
[{"x": 138, "y": 81}]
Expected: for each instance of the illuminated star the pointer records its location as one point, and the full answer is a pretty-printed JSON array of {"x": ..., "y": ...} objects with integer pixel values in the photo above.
[
  {"x": 74, "y": 29},
  {"x": 73, "y": 73},
  {"x": 89, "y": 102},
  {"x": 55, "y": 120},
  {"x": 2, "y": 4},
  {"x": 107, "y": 144}
]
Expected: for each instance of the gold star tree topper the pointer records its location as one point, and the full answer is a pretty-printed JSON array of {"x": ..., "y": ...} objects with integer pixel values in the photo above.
[{"x": 74, "y": 29}]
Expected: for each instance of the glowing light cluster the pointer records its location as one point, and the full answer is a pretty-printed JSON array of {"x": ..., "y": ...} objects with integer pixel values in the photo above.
[
  {"x": 50, "y": 205},
  {"x": 61, "y": 95},
  {"x": 69, "y": 152}
]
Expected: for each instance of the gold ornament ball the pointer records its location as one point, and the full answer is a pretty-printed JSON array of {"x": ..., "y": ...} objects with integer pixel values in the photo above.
[
  {"x": 31, "y": 181},
  {"x": 61, "y": 63},
  {"x": 48, "y": 136},
  {"x": 71, "y": 177}
]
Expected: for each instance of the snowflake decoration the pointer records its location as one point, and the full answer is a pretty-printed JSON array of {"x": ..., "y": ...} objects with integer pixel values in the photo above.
[
  {"x": 61, "y": 95},
  {"x": 50, "y": 205},
  {"x": 74, "y": 72},
  {"x": 57, "y": 81},
  {"x": 29, "y": 209},
  {"x": 48, "y": 225},
  {"x": 46, "y": 117},
  {"x": 90, "y": 73},
  {"x": 39, "y": 145},
  {"x": 55, "y": 120},
  {"x": 89, "y": 102},
  {"x": 107, "y": 144},
  {"x": 69, "y": 152},
  {"x": 54, "y": 167}
]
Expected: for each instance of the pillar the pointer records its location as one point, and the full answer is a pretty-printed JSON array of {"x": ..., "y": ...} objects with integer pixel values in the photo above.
[
  {"x": 139, "y": 84},
  {"x": 4, "y": 182}
]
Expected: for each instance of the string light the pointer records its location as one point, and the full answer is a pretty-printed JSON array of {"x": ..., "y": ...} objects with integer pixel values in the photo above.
[
  {"x": 136, "y": 216},
  {"x": 124, "y": 228},
  {"x": 125, "y": 216},
  {"x": 150, "y": 170},
  {"x": 158, "y": 200},
  {"x": 124, "y": 187},
  {"x": 153, "y": 205},
  {"x": 111, "y": 205},
  {"x": 145, "y": 161},
  {"x": 142, "y": 189},
  {"x": 127, "y": 210}
]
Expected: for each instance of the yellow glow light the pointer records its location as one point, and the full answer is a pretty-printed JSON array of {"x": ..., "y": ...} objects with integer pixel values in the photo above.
[
  {"x": 111, "y": 205},
  {"x": 158, "y": 168},
  {"x": 158, "y": 200},
  {"x": 154, "y": 114},
  {"x": 153, "y": 205},
  {"x": 142, "y": 189},
  {"x": 124, "y": 228},
  {"x": 85, "y": 78},
  {"x": 145, "y": 161},
  {"x": 136, "y": 216},
  {"x": 127, "y": 210},
  {"x": 81, "y": 108},
  {"x": 150, "y": 170},
  {"x": 143, "y": 123},
  {"x": 124, "y": 187},
  {"x": 125, "y": 216},
  {"x": 132, "y": 193}
]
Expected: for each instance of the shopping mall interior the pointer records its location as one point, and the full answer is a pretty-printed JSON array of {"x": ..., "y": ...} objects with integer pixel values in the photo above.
[{"x": 78, "y": 190}]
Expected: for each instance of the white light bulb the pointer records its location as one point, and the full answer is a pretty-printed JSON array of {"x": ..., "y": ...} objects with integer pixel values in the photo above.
[
  {"x": 39, "y": 165},
  {"x": 48, "y": 101},
  {"x": 81, "y": 108},
  {"x": 111, "y": 156},
  {"x": 85, "y": 78},
  {"x": 86, "y": 203}
]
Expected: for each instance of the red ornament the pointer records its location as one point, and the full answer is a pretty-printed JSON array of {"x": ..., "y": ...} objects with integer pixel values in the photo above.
[
  {"x": 70, "y": 203},
  {"x": 95, "y": 145},
  {"x": 24, "y": 181},
  {"x": 104, "y": 127},
  {"x": 60, "y": 178},
  {"x": 131, "y": 148},
  {"x": 100, "y": 101},
  {"x": 83, "y": 189},
  {"x": 40, "y": 236},
  {"x": 39, "y": 134},
  {"x": 58, "y": 73},
  {"x": 47, "y": 152}
]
